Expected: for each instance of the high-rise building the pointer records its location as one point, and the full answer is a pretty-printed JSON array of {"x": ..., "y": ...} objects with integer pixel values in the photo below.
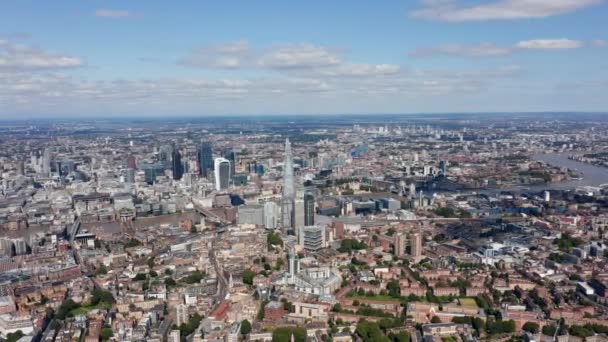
[
  {"x": 313, "y": 238},
  {"x": 399, "y": 245},
  {"x": 151, "y": 171},
  {"x": 177, "y": 166},
  {"x": 205, "y": 159},
  {"x": 287, "y": 201},
  {"x": 21, "y": 168},
  {"x": 416, "y": 247},
  {"x": 130, "y": 176},
  {"x": 270, "y": 215},
  {"x": 309, "y": 209},
  {"x": 131, "y": 164},
  {"x": 181, "y": 314},
  {"x": 222, "y": 174},
  {"x": 46, "y": 162},
  {"x": 298, "y": 214}
]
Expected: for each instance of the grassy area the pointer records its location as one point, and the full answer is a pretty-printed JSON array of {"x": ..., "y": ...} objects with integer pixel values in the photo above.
[
  {"x": 469, "y": 302},
  {"x": 376, "y": 297},
  {"x": 84, "y": 310}
]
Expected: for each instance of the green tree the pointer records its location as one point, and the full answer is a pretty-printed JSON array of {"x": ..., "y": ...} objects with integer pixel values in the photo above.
[
  {"x": 248, "y": 276},
  {"x": 283, "y": 334},
  {"x": 106, "y": 333},
  {"x": 245, "y": 327},
  {"x": 370, "y": 332},
  {"x": 14, "y": 337},
  {"x": 101, "y": 270},
  {"x": 531, "y": 327},
  {"x": 100, "y": 296},
  {"x": 435, "y": 319}
]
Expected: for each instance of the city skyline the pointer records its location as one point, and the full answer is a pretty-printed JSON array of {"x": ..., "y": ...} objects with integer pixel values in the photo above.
[{"x": 116, "y": 58}]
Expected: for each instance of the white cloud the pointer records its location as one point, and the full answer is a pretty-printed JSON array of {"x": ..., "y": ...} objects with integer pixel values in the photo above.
[
  {"x": 225, "y": 56},
  {"x": 481, "y": 50},
  {"x": 360, "y": 70},
  {"x": 302, "y": 56},
  {"x": 549, "y": 44},
  {"x": 19, "y": 57},
  {"x": 453, "y": 11},
  {"x": 109, "y": 13},
  {"x": 600, "y": 43}
]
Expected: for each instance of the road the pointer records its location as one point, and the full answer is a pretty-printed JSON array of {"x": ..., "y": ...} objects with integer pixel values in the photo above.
[{"x": 222, "y": 282}]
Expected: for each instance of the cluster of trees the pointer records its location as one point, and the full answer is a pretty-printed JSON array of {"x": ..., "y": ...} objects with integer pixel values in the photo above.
[
  {"x": 283, "y": 334},
  {"x": 500, "y": 327},
  {"x": 248, "y": 276},
  {"x": 194, "y": 278},
  {"x": 348, "y": 245},
  {"x": 587, "y": 330},
  {"x": 376, "y": 331},
  {"x": 189, "y": 327},
  {"x": 99, "y": 298},
  {"x": 274, "y": 239},
  {"x": 566, "y": 242}
]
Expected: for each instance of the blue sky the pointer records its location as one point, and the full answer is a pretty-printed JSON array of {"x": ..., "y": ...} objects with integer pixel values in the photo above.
[{"x": 136, "y": 57}]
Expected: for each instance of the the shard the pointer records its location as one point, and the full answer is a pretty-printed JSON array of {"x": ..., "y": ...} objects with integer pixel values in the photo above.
[{"x": 287, "y": 202}]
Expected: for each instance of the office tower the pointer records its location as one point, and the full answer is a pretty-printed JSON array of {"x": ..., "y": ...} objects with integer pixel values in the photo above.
[
  {"x": 289, "y": 193},
  {"x": 21, "y": 168},
  {"x": 293, "y": 266},
  {"x": 230, "y": 155},
  {"x": 270, "y": 215},
  {"x": 222, "y": 174},
  {"x": 416, "y": 248},
  {"x": 20, "y": 246},
  {"x": 130, "y": 176},
  {"x": 46, "y": 162},
  {"x": 152, "y": 171},
  {"x": 298, "y": 214},
  {"x": 181, "y": 314},
  {"x": 205, "y": 159},
  {"x": 131, "y": 163},
  {"x": 399, "y": 245},
  {"x": 309, "y": 209},
  {"x": 165, "y": 153},
  {"x": 444, "y": 167},
  {"x": 547, "y": 196},
  {"x": 421, "y": 199},
  {"x": 174, "y": 336},
  {"x": 314, "y": 238},
  {"x": 177, "y": 166}
]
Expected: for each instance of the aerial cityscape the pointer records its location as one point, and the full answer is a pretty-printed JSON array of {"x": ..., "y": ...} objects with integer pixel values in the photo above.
[{"x": 284, "y": 172}]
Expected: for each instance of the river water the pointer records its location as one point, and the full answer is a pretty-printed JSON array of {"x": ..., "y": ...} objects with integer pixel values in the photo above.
[{"x": 592, "y": 175}]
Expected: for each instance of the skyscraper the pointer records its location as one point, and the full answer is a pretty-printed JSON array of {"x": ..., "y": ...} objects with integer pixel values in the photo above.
[
  {"x": 205, "y": 159},
  {"x": 131, "y": 164},
  {"x": 222, "y": 174},
  {"x": 287, "y": 202},
  {"x": 270, "y": 215},
  {"x": 177, "y": 166},
  {"x": 46, "y": 162},
  {"x": 416, "y": 247},
  {"x": 309, "y": 209},
  {"x": 399, "y": 245}
]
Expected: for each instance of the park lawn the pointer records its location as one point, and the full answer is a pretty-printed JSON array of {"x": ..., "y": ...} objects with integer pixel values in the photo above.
[
  {"x": 468, "y": 302},
  {"x": 376, "y": 297},
  {"x": 84, "y": 310}
]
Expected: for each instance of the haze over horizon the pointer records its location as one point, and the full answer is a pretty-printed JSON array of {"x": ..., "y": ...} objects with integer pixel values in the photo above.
[{"x": 195, "y": 58}]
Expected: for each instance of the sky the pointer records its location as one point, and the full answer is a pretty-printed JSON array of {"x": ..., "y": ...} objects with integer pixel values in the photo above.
[{"x": 92, "y": 58}]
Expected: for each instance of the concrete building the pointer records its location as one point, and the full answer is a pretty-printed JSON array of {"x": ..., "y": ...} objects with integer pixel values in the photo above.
[
  {"x": 251, "y": 214},
  {"x": 222, "y": 174},
  {"x": 416, "y": 247}
]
